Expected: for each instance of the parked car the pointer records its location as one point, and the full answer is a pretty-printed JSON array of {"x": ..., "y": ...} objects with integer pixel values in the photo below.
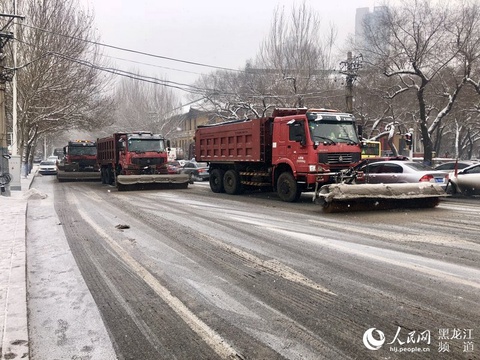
[
  {"x": 466, "y": 182},
  {"x": 450, "y": 165},
  {"x": 48, "y": 167},
  {"x": 173, "y": 167},
  {"x": 386, "y": 172},
  {"x": 366, "y": 161},
  {"x": 197, "y": 170}
]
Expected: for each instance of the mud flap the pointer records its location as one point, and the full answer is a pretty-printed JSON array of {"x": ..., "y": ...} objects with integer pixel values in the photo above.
[{"x": 346, "y": 197}]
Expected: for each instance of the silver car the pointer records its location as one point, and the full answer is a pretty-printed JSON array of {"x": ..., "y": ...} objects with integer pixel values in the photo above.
[
  {"x": 387, "y": 172},
  {"x": 48, "y": 167},
  {"x": 467, "y": 181},
  {"x": 450, "y": 166}
]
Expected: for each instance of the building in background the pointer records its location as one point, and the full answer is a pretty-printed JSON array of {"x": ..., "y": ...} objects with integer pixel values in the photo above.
[
  {"x": 187, "y": 123},
  {"x": 364, "y": 16}
]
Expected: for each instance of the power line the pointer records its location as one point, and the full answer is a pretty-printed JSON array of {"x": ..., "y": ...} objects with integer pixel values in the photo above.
[
  {"x": 133, "y": 51},
  {"x": 156, "y": 66},
  {"x": 180, "y": 86}
]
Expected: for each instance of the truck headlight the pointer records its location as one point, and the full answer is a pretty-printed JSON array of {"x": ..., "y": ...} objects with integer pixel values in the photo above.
[{"x": 312, "y": 168}]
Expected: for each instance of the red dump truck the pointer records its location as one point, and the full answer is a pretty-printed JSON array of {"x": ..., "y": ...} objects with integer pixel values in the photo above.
[
  {"x": 79, "y": 161},
  {"x": 136, "y": 158},
  {"x": 291, "y": 151}
]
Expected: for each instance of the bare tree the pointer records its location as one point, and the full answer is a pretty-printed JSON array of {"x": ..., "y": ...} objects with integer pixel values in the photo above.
[
  {"x": 425, "y": 48},
  {"x": 299, "y": 54},
  {"x": 293, "y": 68},
  {"x": 59, "y": 86},
  {"x": 143, "y": 105}
]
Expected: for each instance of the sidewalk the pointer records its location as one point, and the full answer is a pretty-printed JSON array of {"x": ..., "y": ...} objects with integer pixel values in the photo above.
[{"x": 14, "y": 342}]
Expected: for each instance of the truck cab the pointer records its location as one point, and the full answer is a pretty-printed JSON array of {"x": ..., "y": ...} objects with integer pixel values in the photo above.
[
  {"x": 141, "y": 153},
  {"x": 314, "y": 144},
  {"x": 80, "y": 155}
]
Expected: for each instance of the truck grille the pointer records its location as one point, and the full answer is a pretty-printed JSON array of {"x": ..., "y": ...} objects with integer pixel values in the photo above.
[
  {"x": 338, "y": 158},
  {"x": 87, "y": 162},
  {"x": 147, "y": 161}
]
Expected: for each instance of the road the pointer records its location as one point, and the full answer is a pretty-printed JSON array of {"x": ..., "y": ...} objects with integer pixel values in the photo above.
[{"x": 188, "y": 274}]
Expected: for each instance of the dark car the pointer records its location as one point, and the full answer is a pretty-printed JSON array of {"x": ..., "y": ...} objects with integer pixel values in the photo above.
[
  {"x": 386, "y": 172},
  {"x": 197, "y": 170}
]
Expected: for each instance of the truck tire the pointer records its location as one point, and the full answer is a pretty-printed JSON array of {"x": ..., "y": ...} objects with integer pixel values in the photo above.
[
  {"x": 103, "y": 175},
  {"x": 216, "y": 181},
  {"x": 110, "y": 176},
  {"x": 231, "y": 182},
  {"x": 287, "y": 188}
]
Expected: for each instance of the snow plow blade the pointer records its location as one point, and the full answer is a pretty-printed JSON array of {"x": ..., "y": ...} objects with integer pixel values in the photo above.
[
  {"x": 346, "y": 197},
  {"x": 125, "y": 182},
  {"x": 78, "y": 175}
]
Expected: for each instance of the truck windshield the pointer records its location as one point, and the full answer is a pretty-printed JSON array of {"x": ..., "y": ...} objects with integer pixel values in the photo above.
[
  {"x": 144, "y": 145},
  {"x": 333, "y": 131},
  {"x": 82, "y": 150}
]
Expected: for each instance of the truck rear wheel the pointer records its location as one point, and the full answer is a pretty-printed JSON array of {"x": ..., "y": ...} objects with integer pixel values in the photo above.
[
  {"x": 103, "y": 175},
  {"x": 216, "y": 181},
  {"x": 231, "y": 182},
  {"x": 287, "y": 188},
  {"x": 110, "y": 176}
]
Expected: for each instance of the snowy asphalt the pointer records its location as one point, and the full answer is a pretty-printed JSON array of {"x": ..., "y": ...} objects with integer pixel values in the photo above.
[{"x": 27, "y": 335}]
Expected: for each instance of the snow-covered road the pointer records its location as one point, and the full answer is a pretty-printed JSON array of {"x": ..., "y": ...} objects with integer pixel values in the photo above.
[{"x": 194, "y": 275}]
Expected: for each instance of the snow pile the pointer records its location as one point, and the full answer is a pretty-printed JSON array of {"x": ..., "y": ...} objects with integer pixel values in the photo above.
[{"x": 34, "y": 194}]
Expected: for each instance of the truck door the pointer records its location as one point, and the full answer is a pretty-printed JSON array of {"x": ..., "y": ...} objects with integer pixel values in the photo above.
[{"x": 297, "y": 150}]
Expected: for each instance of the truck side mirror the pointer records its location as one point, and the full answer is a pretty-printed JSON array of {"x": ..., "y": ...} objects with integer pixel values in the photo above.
[
  {"x": 360, "y": 130},
  {"x": 301, "y": 139},
  {"x": 121, "y": 145},
  {"x": 168, "y": 145},
  {"x": 297, "y": 132}
]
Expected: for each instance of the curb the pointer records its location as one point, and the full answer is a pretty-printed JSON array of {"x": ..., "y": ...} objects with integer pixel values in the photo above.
[{"x": 14, "y": 339}]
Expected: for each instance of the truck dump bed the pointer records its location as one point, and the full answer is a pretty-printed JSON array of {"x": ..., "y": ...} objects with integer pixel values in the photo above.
[
  {"x": 106, "y": 149},
  {"x": 244, "y": 140}
]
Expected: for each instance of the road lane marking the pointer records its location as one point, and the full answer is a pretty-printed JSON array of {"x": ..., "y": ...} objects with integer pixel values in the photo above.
[
  {"x": 212, "y": 338},
  {"x": 272, "y": 265},
  {"x": 447, "y": 271}
]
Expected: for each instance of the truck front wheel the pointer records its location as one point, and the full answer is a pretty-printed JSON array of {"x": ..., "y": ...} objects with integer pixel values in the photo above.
[
  {"x": 216, "y": 181},
  {"x": 287, "y": 188},
  {"x": 231, "y": 182}
]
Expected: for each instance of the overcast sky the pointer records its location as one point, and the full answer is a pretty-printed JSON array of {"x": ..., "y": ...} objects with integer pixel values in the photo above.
[{"x": 223, "y": 33}]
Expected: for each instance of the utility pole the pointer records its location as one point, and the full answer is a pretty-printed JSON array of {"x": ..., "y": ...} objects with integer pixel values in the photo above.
[
  {"x": 350, "y": 69},
  {"x": 6, "y": 75},
  {"x": 14, "y": 86}
]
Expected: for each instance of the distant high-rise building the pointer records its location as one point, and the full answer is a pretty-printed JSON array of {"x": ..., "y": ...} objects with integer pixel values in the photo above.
[
  {"x": 364, "y": 16},
  {"x": 360, "y": 16}
]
